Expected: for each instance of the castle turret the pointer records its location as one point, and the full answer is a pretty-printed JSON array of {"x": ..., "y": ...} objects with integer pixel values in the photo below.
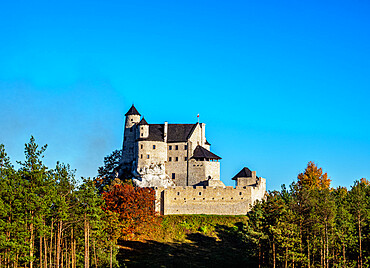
[
  {"x": 130, "y": 132},
  {"x": 143, "y": 129},
  {"x": 132, "y": 117}
]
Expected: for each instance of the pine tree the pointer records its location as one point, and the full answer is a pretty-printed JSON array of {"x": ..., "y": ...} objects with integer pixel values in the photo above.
[
  {"x": 359, "y": 206},
  {"x": 35, "y": 180}
]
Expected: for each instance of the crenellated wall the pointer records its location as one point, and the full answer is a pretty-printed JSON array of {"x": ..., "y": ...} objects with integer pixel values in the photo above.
[{"x": 208, "y": 200}]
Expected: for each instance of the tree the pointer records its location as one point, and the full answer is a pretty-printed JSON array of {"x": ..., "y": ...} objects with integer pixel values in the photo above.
[
  {"x": 112, "y": 172},
  {"x": 91, "y": 211},
  {"x": 313, "y": 178},
  {"x": 359, "y": 207},
  {"x": 134, "y": 205},
  {"x": 35, "y": 179},
  {"x": 344, "y": 225},
  {"x": 254, "y": 233}
]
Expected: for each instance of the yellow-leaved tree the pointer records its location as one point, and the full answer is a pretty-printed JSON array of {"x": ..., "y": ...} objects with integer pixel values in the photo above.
[{"x": 313, "y": 178}]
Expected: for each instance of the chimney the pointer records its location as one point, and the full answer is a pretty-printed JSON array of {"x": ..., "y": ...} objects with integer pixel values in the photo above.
[
  {"x": 202, "y": 133},
  {"x": 254, "y": 174},
  {"x": 165, "y": 131}
]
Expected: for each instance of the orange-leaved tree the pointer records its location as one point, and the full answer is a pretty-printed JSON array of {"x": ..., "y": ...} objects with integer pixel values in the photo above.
[
  {"x": 313, "y": 178},
  {"x": 134, "y": 205}
]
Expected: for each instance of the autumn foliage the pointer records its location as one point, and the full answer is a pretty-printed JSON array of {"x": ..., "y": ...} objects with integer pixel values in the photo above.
[
  {"x": 134, "y": 205},
  {"x": 313, "y": 178}
]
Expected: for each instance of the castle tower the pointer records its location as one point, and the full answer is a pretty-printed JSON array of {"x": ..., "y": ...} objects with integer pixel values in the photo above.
[
  {"x": 132, "y": 117},
  {"x": 143, "y": 129},
  {"x": 129, "y": 149}
]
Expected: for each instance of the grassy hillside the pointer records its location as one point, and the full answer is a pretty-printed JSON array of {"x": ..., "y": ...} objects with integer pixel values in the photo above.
[{"x": 187, "y": 241}]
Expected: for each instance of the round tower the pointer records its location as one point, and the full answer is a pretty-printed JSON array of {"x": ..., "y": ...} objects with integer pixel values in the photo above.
[
  {"x": 129, "y": 150},
  {"x": 132, "y": 117},
  {"x": 143, "y": 129}
]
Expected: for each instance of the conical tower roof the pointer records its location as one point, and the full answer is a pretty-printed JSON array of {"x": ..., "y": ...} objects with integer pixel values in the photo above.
[
  {"x": 143, "y": 122},
  {"x": 132, "y": 111}
]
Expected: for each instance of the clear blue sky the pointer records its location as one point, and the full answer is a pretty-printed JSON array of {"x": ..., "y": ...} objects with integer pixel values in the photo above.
[{"x": 278, "y": 83}]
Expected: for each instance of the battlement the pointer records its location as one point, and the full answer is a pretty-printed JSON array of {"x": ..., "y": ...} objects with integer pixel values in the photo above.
[{"x": 226, "y": 200}]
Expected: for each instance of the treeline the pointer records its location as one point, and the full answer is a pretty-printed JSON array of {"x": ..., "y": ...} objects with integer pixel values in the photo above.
[
  {"x": 311, "y": 225},
  {"x": 47, "y": 220}
]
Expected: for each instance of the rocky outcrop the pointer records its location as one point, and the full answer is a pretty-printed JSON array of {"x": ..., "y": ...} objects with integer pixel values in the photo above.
[{"x": 152, "y": 176}]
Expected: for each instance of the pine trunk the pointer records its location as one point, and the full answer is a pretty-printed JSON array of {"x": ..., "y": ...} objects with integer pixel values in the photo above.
[
  {"x": 359, "y": 238},
  {"x": 40, "y": 251},
  {"x": 73, "y": 253},
  {"x": 259, "y": 254},
  {"x": 58, "y": 244},
  {"x": 86, "y": 231},
  {"x": 51, "y": 245},
  {"x": 31, "y": 242},
  {"x": 45, "y": 254},
  {"x": 327, "y": 244},
  {"x": 344, "y": 255},
  {"x": 286, "y": 257}
]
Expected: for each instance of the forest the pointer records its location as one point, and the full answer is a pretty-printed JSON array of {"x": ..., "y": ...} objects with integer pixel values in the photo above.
[{"x": 50, "y": 219}]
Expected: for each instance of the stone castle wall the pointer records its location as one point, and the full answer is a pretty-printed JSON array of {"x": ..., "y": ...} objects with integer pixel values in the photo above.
[
  {"x": 200, "y": 171},
  {"x": 178, "y": 163},
  {"x": 147, "y": 155},
  {"x": 208, "y": 200}
]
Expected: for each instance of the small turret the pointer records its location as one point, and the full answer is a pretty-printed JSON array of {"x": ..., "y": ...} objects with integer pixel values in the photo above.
[
  {"x": 143, "y": 129},
  {"x": 132, "y": 117}
]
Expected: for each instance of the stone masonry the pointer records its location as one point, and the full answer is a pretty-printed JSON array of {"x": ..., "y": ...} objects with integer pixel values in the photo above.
[{"x": 176, "y": 160}]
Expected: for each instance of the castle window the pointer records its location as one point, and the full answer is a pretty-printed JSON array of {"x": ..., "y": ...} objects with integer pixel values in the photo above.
[
  {"x": 240, "y": 193},
  {"x": 142, "y": 134},
  {"x": 132, "y": 119},
  {"x": 200, "y": 193},
  {"x": 170, "y": 159},
  {"x": 153, "y": 147},
  {"x": 178, "y": 193},
  {"x": 177, "y": 159},
  {"x": 141, "y": 156},
  {"x": 147, "y": 156},
  {"x": 170, "y": 147},
  {"x": 173, "y": 176},
  {"x": 185, "y": 147},
  {"x": 185, "y": 158},
  {"x": 141, "y": 146},
  {"x": 176, "y": 147}
]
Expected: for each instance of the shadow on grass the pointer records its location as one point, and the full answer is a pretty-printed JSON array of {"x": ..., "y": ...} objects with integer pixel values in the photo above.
[{"x": 198, "y": 251}]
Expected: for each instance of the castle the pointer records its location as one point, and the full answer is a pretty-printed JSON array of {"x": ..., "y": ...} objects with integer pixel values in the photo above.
[{"x": 176, "y": 160}]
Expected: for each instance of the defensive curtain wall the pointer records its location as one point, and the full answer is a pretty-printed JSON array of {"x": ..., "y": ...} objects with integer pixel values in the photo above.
[{"x": 209, "y": 200}]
